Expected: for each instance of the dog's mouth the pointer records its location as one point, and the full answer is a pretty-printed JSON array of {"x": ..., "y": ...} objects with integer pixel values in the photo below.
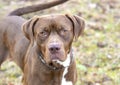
[
  {"x": 56, "y": 65},
  {"x": 53, "y": 65},
  {"x": 59, "y": 64},
  {"x": 57, "y": 57}
]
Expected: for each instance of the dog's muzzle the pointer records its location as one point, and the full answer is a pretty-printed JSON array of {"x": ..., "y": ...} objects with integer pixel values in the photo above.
[{"x": 63, "y": 64}]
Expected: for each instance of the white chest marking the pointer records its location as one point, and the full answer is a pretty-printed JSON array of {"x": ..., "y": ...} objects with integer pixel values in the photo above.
[
  {"x": 66, "y": 64},
  {"x": 64, "y": 81}
]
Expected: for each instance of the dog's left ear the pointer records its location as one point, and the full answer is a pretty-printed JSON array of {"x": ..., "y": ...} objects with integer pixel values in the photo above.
[
  {"x": 78, "y": 24},
  {"x": 28, "y": 28}
]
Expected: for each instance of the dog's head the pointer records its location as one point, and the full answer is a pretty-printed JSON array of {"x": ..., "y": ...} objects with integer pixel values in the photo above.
[{"x": 53, "y": 35}]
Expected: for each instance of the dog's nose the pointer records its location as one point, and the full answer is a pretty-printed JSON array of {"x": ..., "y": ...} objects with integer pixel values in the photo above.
[{"x": 54, "y": 47}]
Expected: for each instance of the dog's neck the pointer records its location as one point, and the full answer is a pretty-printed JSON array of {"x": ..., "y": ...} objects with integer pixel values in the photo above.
[{"x": 40, "y": 74}]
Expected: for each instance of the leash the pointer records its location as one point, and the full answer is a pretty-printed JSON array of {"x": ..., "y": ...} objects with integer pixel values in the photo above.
[{"x": 40, "y": 56}]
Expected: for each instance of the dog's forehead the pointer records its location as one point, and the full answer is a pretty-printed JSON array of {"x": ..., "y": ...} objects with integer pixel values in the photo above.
[
  {"x": 58, "y": 19},
  {"x": 55, "y": 21}
]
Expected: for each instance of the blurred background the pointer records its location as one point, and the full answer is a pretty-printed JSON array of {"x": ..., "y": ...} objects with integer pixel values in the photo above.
[{"x": 97, "y": 51}]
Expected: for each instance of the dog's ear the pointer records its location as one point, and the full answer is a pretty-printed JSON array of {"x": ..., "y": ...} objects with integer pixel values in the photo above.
[
  {"x": 28, "y": 28},
  {"x": 78, "y": 24}
]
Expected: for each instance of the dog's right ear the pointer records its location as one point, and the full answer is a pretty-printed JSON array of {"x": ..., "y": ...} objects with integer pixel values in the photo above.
[{"x": 28, "y": 28}]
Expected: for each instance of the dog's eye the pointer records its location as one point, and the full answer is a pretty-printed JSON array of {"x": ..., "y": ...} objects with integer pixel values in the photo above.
[
  {"x": 63, "y": 31},
  {"x": 43, "y": 33}
]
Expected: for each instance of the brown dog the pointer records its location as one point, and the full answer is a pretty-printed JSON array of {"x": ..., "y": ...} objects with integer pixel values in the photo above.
[{"x": 44, "y": 51}]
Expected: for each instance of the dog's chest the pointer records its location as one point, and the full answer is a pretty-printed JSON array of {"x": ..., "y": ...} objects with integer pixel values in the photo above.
[{"x": 64, "y": 81}]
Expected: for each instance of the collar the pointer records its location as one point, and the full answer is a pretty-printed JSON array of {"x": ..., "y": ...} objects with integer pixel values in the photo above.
[{"x": 40, "y": 56}]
